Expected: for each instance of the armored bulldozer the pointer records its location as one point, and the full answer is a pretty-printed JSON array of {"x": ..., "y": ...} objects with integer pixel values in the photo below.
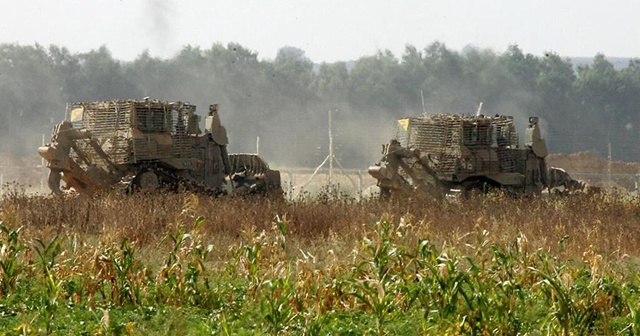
[
  {"x": 148, "y": 145},
  {"x": 444, "y": 154}
]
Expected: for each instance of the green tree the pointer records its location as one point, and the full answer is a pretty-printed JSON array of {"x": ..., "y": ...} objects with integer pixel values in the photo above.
[
  {"x": 331, "y": 82},
  {"x": 374, "y": 81},
  {"x": 152, "y": 76},
  {"x": 413, "y": 74},
  {"x": 292, "y": 74},
  {"x": 523, "y": 68},
  {"x": 555, "y": 82},
  {"x": 597, "y": 88},
  {"x": 628, "y": 111},
  {"x": 103, "y": 78},
  {"x": 484, "y": 79},
  {"x": 520, "y": 86},
  {"x": 445, "y": 85},
  {"x": 31, "y": 94},
  {"x": 68, "y": 70},
  {"x": 240, "y": 82}
]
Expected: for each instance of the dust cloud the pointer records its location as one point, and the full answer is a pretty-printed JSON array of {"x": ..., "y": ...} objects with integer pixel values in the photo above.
[{"x": 157, "y": 14}]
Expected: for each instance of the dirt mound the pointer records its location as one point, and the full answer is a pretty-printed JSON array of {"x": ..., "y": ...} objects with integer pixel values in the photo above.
[
  {"x": 594, "y": 170},
  {"x": 587, "y": 162}
]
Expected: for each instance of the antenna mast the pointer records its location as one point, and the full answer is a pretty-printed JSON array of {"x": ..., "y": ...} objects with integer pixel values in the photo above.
[{"x": 479, "y": 109}]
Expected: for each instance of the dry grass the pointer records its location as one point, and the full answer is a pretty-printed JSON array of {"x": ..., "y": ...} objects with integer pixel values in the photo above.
[{"x": 607, "y": 225}]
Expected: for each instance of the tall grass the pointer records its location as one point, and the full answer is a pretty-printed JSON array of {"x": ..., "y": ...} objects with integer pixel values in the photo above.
[{"x": 142, "y": 264}]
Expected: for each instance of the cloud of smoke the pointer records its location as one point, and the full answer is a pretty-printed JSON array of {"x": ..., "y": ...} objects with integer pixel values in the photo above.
[{"x": 158, "y": 14}]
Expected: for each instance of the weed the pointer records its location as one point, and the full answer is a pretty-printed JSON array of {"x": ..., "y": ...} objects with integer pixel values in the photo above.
[{"x": 10, "y": 250}]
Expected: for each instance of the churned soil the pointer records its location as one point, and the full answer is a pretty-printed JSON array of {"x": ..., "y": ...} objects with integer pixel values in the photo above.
[
  {"x": 587, "y": 162},
  {"x": 594, "y": 170}
]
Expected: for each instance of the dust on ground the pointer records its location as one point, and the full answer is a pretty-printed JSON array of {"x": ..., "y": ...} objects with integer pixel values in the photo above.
[
  {"x": 598, "y": 171},
  {"x": 27, "y": 172},
  {"x": 22, "y": 172},
  {"x": 298, "y": 182}
]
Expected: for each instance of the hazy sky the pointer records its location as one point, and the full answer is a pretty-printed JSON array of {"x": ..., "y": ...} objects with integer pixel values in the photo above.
[{"x": 328, "y": 30}]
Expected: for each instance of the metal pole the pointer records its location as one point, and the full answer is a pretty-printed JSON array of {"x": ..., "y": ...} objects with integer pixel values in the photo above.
[
  {"x": 330, "y": 152},
  {"x": 290, "y": 185},
  {"x": 258, "y": 145},
  {"x": 360, "y": 184},
  {"x": 609, "y": 166},
  {"x": 41, "y": 158}
]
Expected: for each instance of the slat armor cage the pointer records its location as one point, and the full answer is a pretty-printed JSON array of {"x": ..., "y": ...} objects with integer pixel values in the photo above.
[
  {"x": 130, "y": 131},
  {"x": 443, "y": 137}
]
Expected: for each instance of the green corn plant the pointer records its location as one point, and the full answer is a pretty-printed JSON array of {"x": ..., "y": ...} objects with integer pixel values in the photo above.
[
  {"x": 441, "y": 289},
  {"x": 479, "y": 299},
  {"x": 376, "y": 282},
  {"x": 275, "y": 304},
  {"x": 557, "y": 294},
  {"x": 447, "y": 287},
  {"x": 241, "y": 280},
  {"x": 579, "y": 298},
  {"x": 250, "y": 260},
  {"x": 495, "y": 290},
  {"x": 276, "y": 295},
  {"x": 507, "y": 277},
  {"x": 263, "y": 249},
  {"x": 197, "y": 283},
  {"x": 47, "y": 255},
  {"x": 598, "y": 299},
  {"x": 171, "y": 275},
  {"x": 125, "y": 287},
  {"x": 281, "y": 226},
  {"x": 10, "y": 250},
  {"x": 632, "y": 304},
  {"x": 422, "y": 290},
  {"x": 183, "y": 272}
]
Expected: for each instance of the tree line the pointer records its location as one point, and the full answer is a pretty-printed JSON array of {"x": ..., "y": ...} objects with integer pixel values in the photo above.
[{"x": 284, "y": 101}]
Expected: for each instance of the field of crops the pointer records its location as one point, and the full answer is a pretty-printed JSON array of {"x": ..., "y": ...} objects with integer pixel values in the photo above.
[{"x": 184, "y": 264}]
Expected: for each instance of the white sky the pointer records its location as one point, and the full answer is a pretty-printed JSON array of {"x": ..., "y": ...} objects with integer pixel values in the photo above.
[{"x": 328, "y": 30}]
